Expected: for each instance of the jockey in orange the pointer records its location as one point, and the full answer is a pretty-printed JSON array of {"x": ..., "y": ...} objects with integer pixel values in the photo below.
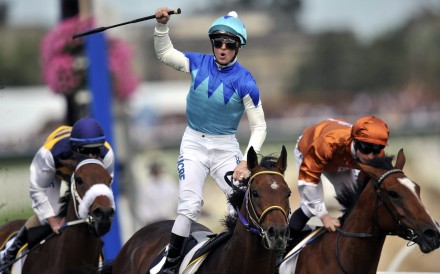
[{"x": 333, "y": 148}]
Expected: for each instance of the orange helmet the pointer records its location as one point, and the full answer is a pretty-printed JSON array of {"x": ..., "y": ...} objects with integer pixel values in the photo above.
[{"x": 371, "y": 130}]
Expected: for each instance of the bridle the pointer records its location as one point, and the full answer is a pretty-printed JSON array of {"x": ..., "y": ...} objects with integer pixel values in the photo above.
[
  {"x": 252, "y": 214},
  {"x": 402, "y": 230},
  {"x": 81, "y": 205},
  {"x": 80, "y": 211}
]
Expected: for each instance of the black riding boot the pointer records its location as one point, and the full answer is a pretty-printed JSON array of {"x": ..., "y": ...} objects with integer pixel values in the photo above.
[
  {"x": 174, "y": 256},
  {"x": 12, "y": 251},
  {"x": 298, "y": 221}
]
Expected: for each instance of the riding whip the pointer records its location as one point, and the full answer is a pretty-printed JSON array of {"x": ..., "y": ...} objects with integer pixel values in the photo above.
[{"x": 101, "y": 29}]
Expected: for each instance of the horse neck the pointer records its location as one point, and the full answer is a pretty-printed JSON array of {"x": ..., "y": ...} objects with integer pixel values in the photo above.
[
  {"x": 258, "y": 259},
  {"x": 362, "y": 219}
]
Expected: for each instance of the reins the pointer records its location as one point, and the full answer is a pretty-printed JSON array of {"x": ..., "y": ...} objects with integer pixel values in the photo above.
[
  {"x": 380, "y": 200},
  {"x": 255, "y": 228},
  {"x": 51, "y": 235},
  {"x": 77, "y": 200}
]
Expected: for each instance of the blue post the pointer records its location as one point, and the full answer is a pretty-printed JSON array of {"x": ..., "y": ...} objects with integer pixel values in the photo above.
[{"x": 100, "y": 87}]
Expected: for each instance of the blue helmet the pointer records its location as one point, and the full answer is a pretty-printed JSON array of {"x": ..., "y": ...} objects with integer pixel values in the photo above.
[
  {"x": 87, "y": 132},
  {"x": 229, "y": 25}
]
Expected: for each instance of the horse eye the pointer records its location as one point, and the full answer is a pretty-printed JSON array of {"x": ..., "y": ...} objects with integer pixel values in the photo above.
[
  {"x": 393, "y": 194},
  {"x": 254, "y": 193},
  {"x": 78, "y": 180},
  {"x": 289, "y": 194}
]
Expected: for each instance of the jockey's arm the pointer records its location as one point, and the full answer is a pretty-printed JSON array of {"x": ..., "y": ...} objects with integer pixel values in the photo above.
[
  {"x": 257, "y": 125},
  {"x": 42, "y": 173},
  {"x": 166, "y": 52}
]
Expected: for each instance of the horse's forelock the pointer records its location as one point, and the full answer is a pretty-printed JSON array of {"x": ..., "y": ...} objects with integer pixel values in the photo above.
[
  {"x": 268, "y": 162},
  {"x": 382, "y": 162}
]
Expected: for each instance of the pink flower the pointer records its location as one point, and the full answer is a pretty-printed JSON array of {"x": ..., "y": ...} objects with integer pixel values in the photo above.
[
  {"x": 64, "y": 69},
  {"x": 124, "y": 79},
  {"x": 60, "y": 76}
]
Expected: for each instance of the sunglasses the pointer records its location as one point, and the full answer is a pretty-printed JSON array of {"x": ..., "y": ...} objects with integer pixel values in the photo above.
[
  {"x": 230, "y": 43},
  {"x": 89, "y": 150},
  {"x": 367, "y": 148}
]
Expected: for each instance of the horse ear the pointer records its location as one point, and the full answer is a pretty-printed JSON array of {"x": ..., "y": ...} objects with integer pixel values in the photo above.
[
  {"x": 371, "y": 171},
  {"x": 282, "y": 160},
  {"x": 400, "y": 161},
  {"x": 252, "y": 158}
]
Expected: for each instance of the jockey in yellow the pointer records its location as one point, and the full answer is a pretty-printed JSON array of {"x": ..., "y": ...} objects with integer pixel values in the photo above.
[
  {"x": 333, "y": 148},
  {"x": 85, "y": 137}
]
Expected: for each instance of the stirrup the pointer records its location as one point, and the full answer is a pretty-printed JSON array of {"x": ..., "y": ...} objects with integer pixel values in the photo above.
[
  {"x": 6, "y": 263},
  {"x": 171, "y": 265}
]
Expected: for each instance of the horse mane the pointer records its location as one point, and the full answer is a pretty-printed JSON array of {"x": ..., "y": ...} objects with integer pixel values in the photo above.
[
  {"x": 350, "y": 195},
  {"x": 65, "y": 199},
  {"x": 237, "y": 197}
]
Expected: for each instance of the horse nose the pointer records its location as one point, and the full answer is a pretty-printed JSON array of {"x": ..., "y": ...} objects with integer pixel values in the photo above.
[
  {"x": 103, "y": 214},
  {"x": 103, "y": 219},
  {"x": 278, "y": 232},
  {"x": 432, "y": 236}
]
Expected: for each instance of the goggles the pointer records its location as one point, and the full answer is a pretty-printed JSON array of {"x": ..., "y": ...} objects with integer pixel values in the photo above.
[
  {"x": 229, "y": 43},
  {"x": 89, "y": 150},
  {"x": 367, "y": 148}
]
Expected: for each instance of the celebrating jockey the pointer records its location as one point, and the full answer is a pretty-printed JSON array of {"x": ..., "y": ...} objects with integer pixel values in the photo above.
[{"x": 221, "y": 90}]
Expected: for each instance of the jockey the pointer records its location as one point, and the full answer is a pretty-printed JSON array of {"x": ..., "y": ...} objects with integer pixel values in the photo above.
[
  {"x": 333, "y": 148},
  {"x": 220, "y": 91},
  {"x": 86, "y": 137}
]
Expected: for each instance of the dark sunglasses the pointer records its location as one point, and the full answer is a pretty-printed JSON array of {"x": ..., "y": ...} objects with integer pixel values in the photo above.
[
  {"x": 89, "y": 150},
  {"x": 230, "y": 43},
  {"x": 367, "y": 148}
]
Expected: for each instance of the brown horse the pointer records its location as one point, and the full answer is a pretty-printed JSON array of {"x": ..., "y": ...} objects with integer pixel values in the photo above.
[
  {"x": 256, "y": 239},
  {"x": 386, "y": 202},
  {"x": 88, "y": 208}
]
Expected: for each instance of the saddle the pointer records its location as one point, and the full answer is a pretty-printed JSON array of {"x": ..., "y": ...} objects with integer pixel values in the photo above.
[{"x": 196, "y": 249}]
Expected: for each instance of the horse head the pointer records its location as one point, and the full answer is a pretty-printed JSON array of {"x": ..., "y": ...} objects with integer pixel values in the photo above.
[
  {"x": 266, "y": 201},
  {"x": 89, "y": 191},
  {"x": 399, "y": 208}
]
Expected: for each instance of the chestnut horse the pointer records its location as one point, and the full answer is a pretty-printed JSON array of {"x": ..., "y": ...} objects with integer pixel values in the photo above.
[
  {"x": 256, "y": 239},
  {"x": 88, "y": 209},
  {"x": 385, "y": 202}
]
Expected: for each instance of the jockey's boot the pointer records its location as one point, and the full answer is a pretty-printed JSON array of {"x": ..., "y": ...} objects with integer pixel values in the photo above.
[
  {"x": 298, "y": 221},
  {"x": 174, "y": 256},
  {"x": 12, "y": 251}
]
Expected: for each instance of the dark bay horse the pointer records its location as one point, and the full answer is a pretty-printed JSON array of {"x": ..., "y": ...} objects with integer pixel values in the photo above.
[
  {"x": 88, "y": 207},
  {"x": 386, "y": 202},
  {"x": 256, "y": 239}
]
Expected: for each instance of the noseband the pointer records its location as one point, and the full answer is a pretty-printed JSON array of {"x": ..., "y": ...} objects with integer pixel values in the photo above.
[
  {"x": 250, "y": 210},
  {"x": 84, "y": 203},
  {"x": 404, "y": 231}
]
